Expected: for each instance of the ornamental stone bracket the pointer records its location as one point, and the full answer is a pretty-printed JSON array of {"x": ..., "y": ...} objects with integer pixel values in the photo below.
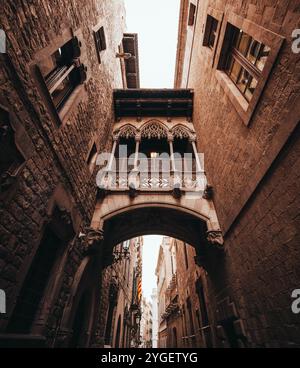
[
  {"x": 213, "y": 251},
  {"x": 215, "y": 239},
  {"x": 208, "y": 192},
  {"x": 91, "y": 241}
]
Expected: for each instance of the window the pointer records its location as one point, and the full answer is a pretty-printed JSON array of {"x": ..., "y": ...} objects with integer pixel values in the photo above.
[
  {"x": 62, "y": 72},
  {"x": 210, "y": 32},
  {"x": 192, "y": 13},
  {"x": 245, "y": 62},
  {"x": 91, "y": 161},
  {"x": 245, "y": 57},
  {"x": 100, "y": 42},
  {"x": 11, "y": 159}
]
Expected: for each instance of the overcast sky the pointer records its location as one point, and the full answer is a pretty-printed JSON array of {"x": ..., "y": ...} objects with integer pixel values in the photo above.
[
  {"x": 156, "y": 23},
  {"x": 150, "y": 253}
]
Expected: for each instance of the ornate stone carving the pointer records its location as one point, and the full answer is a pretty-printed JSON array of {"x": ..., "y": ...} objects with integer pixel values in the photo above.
[
  {"x": 91, "y": 240},
  {"x": 177, "y": 191},
  {"x": 128, "y": 131},
  {"x": 154, "y": 129},
  {"x": 180, "y": 131},
  {"x": 215, "y": 238},
  {"x": 193, "y": 138},
  {"x": 208, "y": 192}
]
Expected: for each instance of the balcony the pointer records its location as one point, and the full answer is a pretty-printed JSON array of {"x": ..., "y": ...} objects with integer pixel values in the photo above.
[{"x": 152, "y": 175}]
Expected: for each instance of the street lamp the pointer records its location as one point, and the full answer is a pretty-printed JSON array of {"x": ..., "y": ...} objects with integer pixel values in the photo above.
[
  {"x": 138, "y": 318},
  {"x": 123, "y": 253}
]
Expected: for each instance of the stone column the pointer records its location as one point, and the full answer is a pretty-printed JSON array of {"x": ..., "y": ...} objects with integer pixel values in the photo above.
[
  {"x": 113, "y": 151},
  {"x": 170, "y": 140},
  {"x": 111, "y": 160},
  {"x": 177, "y": 178},
  {"x": 198, "y": 163},
  {"x": 137, "y": 147}
]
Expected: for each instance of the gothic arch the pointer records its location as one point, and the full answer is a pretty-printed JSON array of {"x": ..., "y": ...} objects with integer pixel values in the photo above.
[
  {"x": 191, "y": 220},
  {"x": 127, "y": 131},
  {"x": 154, "y": 220},
  {"x": 154, "y": 129},
  {"x": 181, "y": 131}
]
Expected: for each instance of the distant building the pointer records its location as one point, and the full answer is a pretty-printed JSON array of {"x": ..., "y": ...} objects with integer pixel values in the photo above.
[
  {"x": 146, "y": 324},
  {"x": 182, "y": 302},
  {"x": 164, "y": 276},
  {"x": 121, "y": 297},
  {"x": 154, "y": 318},
  {"x": 69, "y": 91}
]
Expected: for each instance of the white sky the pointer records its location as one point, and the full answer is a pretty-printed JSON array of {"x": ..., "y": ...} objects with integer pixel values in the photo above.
[
  {"x": 150, "y": 254},
  {"x": 156, "y": 22}
]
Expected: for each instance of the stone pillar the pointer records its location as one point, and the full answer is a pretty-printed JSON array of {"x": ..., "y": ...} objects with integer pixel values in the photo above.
[
  {"x": 137, "y": 147},
  {"x": 177, "y": 175},
  {"x": 113, "y": 151},
  {"x": 170, "y": 140},
  {"x": 110, "y": 163},
  {"x": 198, "y": 163}
]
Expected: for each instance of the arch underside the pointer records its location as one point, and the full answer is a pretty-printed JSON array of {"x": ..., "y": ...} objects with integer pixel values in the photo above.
[{"x": 153, "y": 220}]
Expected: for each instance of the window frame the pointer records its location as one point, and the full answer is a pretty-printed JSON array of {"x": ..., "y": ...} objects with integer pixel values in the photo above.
[
  {"x": 244, "y": 108},
  {"x": 208, "y": 31},
  {"x": 236, "y": 57},
  {"x": 60, "y": 117},
  {"x": 192, "y": 14},
  {"x": 210, "y": 52},
  {"x": 99, "y": 38}
]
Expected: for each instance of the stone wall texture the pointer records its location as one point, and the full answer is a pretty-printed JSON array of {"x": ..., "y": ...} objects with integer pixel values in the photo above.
[
  {"x": 257, "y": 204},
  {"x": 58, "y": 155}
]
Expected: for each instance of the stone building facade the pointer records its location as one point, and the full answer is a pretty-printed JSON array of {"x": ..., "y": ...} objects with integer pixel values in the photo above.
[
  {"x": 154, "y": 302},
  {"x": 56, "y": 83},
  {"x": 185, "y": 317},
  {"x": 121, "y": 304},
  {"x": 69, "y": 89},
  {"x": 146, "y": 324},
  {"x": 163, "y": 273},
  {"x": 239, "y": 58}
]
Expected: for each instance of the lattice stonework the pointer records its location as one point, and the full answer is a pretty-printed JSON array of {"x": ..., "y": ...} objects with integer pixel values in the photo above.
[
  {"x": 154, "y": 130},
  {"x": 127, "y": 132},
  {"x": 181, "y": 132}
]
